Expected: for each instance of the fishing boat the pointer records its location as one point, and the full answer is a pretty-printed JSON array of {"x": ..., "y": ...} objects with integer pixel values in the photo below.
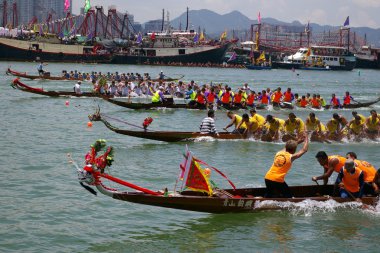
[
  {"x": 195, "y": 191},
  {"x": 40, "y": 91},
  {"x": 59, "y": 78},
  {"x": 168, "y": 136},
  {"x": 319, "y": 58}
]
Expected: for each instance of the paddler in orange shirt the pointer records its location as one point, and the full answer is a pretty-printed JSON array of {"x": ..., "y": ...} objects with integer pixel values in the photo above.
[
  {"x": 283, "y": 160},
  {"x": 369, "y": 172},
  {"x": 277, "y": 97},
  {"x": 288, "y": 95},
  {"x": 330, "y": 164},
  {"x": 315, "y": 103},
  {"x": 303, "y": 102}
]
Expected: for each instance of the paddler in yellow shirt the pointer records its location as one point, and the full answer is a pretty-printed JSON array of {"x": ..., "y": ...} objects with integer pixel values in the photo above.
[
  {"x": 235, "y": 120},
  {"x": 315, "y": 126},
  {"x": 273, "y": 127},
  {"x": 283, "y": 160},
  {"x": 294, "y": 128},
  {"x": 372, "y": 125},
  {"x": 355, "y": 127}
]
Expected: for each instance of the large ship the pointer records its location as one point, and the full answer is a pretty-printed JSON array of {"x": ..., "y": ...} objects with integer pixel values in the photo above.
[
  {"x": 33, "y": 50},
  {"x": 172, "y": 48},
  {"x": 319, "y": 58},
  {"x": 368, "y": 57}
]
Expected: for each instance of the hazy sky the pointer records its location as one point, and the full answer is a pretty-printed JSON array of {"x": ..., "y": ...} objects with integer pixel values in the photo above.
[{"x": 324, "y": 12}]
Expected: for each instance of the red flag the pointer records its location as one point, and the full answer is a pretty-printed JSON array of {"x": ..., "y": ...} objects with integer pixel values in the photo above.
[
  {"x": 153, "y": 36},
  {"x": 196, "y": 180},
  {"x": 259, "y": 18}
]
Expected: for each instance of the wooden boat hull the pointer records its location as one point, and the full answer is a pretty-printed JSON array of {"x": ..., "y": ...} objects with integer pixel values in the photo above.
[
  {"x": 58, "y": 78},
  {"x": 169, "y": 136},
  {"x": 23, "y": 87},
  {"x": 357, "y": 105},
  {"x": 244, "y": 200},
  {"x": 35, "y": 77}
]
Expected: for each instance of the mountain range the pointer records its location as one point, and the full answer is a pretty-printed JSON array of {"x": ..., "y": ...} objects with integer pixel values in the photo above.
[{"x": 214, "y": 24}]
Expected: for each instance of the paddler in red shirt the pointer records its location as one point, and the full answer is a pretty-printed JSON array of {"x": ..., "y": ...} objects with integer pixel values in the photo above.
[
  {"x": 335, "y": 102},
  {"x": 277, "y": 97},
  {"x": 288, "y": 95},
  {"x": 347, "y": 99}
]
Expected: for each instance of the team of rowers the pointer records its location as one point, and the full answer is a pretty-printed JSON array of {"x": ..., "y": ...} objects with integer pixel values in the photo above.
[
  {"x": 131, "y": 84},
  {"x": 271, "y": 128},
  {"x": 356, "y": 178},
  {"x": 245, "y": 97}
]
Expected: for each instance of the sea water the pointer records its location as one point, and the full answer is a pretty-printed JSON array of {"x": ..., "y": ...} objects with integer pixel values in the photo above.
[{"x": 44, "y": 209}]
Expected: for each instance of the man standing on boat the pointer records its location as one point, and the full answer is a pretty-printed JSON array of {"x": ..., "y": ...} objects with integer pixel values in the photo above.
[
  {"x": 40, "y": 68},
  {"x": 208, "y": 124},
  {"x": 283, "y": 160},
  {"x": 77, "y": 89}
]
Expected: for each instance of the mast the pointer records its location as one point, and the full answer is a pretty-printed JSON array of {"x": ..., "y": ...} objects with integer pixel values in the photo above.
[
  {"x": 187, "y": 18},
  {"x": 163, "y": 20}
]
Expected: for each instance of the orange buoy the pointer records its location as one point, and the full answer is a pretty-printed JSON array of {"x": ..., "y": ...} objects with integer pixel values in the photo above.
[{"x": 89, "y": 124}]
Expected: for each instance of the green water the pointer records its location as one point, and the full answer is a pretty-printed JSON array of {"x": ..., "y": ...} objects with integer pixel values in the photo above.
[{"x": 44, "y": 209}]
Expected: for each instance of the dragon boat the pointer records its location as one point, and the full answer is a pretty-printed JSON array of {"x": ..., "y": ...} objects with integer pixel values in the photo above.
[
  {"x": 23, "y": 87},
  {"x": 168, "y": 136},
  {"x": 194, "y": 190},
  {"x": 47, "y": 76}
]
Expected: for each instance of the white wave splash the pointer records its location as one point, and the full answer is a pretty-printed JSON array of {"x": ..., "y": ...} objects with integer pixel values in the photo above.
[{"x": 308, "y": 207}]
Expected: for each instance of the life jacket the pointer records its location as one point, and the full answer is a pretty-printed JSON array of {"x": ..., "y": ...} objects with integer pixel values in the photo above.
[
  {"x": 260, "y": 119},
  {"x": 372, "y": 125},
  {"x": 333, "y": 125},
  {"x": 323, "y": 102},
  {"x": 356, "y": 128},
  {"x": 347, "y": 100},
  {"x": 156, "y": 97},
  {"x": 335, "y": 101},
  {"x": 210, "y": 97},
  {"x": 369, "y": 171},
  {"x": 280, "y": 167},
  {"x": 250, "y": 99},
  {"x": 226, "y": 96},
  {"x": 338, "y": 166},
  {"x": 201, "y": 99},
  {"x": 193, "y": 96},
  {"x": 351, "y": 181},
  {"x": 238, "y": 120},
  {"x": 313, "y": 126},
  {"x": 287, "y": 96},
  {"x": 264, "y": 99},
  {"x": 237, "y": 98},
  {"x": 298, "y": 125},
  {"x": 303, "y": 103},
  {"x": 277, "y": 97},
  {"x": 315, "y": 102}
]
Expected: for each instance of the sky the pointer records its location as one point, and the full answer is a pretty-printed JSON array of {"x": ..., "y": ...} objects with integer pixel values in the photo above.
[{"x": 323, "y": 12}]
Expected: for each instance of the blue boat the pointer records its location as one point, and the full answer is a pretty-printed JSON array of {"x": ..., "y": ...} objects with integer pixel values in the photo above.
[{"x": 258, "y": 67}]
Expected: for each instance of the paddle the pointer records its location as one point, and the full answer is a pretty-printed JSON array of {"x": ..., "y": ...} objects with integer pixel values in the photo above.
[{"x": 364, "y": 206}]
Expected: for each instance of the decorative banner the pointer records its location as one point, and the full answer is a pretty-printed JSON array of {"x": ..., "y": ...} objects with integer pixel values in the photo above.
[
  {"x": 87, "y": 6},
  {"x": 223, "y": 36},
  {"x": 196, "y": 180},
  {"x": 67, "y": 5}
]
